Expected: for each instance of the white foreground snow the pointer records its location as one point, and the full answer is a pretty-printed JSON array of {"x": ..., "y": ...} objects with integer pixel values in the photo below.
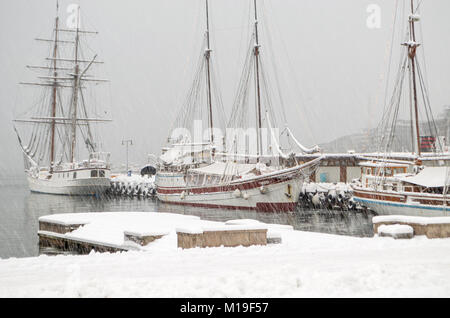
[
  {"x": 305, "y": 265},
  {"x": 395, "y": 229}
]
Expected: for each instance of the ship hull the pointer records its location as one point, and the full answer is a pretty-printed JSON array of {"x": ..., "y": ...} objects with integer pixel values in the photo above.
[
  {"x": 403, "y": 204},
  {"x": 278, "y": 192},
  {"x": 79, "y": 186},
  {"x": 275, "y": 199}
]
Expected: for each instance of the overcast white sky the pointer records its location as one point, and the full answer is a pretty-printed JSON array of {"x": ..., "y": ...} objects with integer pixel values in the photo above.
[{"x": 331, "y": 64}]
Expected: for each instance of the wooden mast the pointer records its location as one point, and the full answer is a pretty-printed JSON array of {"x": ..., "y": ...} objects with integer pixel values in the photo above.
[
  {"x": 75, "y": 91},
  {"x": 55, "y": 84},
  {"x": 258, "y": 89},
  {"x": 208, "y": 75},
  {"x": 412, "y": 55}
]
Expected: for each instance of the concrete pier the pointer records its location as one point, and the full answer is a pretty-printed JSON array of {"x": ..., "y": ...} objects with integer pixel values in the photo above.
[
  {"x": 228, "y": 236},
  {"x": 431, "y": 227}
]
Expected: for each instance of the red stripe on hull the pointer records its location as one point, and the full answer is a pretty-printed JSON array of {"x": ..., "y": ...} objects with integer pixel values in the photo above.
[
  {"x": 425, "y": 200},
  {"x": 243, "y": 184},
  {"x": 260, "y": 207},
  {"x": 276, "y": 207},
  {"x": 379, "y": 196},
  {"x": 225, "y": 188}
]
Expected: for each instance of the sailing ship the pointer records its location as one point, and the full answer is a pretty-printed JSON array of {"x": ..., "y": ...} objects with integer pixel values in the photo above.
[
  {"x": 403, "y": 187},
  {"x": 60, "y": 119},
  {"x": 197, "y": 174}
]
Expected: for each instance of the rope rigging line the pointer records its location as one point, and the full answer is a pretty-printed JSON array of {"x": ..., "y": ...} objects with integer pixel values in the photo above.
[{"x": 426, "y": 99}]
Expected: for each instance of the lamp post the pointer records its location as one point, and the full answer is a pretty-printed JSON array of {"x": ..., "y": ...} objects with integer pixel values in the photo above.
[{"x": 127, "y": 142}]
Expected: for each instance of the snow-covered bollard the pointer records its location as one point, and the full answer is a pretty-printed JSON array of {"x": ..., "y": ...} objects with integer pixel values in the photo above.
[
  {"x": 273, "y": 238},
  {"x": 397, "y": 231}
]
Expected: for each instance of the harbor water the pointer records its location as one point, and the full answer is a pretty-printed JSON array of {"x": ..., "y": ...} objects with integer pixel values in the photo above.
[{"x": 20, "y": 210}]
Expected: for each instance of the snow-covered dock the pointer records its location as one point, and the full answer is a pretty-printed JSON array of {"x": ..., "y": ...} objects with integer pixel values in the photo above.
[
  {"x": 115, "y": 232},
  {"x": 305, "y": 264},
  {"x": 134, "y": 185}
]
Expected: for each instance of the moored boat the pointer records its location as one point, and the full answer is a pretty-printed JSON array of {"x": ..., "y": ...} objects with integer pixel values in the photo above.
[
  {"x": 236, "y": 186},
  {"x": 61, "y": 120},
  {"x": 270, "y": 180},
  {"x": 424, "y": 193},
  {"x": 407, "y": 187}
]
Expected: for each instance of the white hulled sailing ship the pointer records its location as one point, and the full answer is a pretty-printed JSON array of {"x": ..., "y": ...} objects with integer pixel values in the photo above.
[
  {"x": 199, "y": 175},
  {"x": 60, "y": 122},
  {"x": 404, "y": 187}
]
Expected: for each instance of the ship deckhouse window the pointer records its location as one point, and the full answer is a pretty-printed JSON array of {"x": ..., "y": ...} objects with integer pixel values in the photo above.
[
  {"x": 94, "y": 174},
  {"x": 194, "y": 179},
  {"x": 75, "y": 175},
  {"x": 101, "y": 173},
  {"x": 200, "y": 179}
]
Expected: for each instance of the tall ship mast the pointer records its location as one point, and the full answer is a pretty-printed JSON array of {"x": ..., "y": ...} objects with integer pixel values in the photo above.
[
  {"x": 59, "y": 125},
  {"x": 188, "y": 146},
  {"x": 407, "y": 187},
  {"x": 236, "y": 178}
]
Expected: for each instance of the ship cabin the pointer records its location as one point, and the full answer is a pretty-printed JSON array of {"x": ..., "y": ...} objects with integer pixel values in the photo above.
[
  {"x": 387, "y": 176},
  {"x": 97, "y": 166},
  {"x": 383, "y": 175},
  {"x": 181, "y": 157},
  {"x": 220, "y": 173}
]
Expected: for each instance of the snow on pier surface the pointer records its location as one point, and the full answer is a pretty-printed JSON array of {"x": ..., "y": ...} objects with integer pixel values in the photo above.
[
  {"x": 411, "y": 219},
  {"x": 108, "y": 228},
  {"x": 395, "y": 229},
  {"x": 305, "y": 264}
]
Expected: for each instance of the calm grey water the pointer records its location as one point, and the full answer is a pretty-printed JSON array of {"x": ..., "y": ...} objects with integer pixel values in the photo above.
[{"x": 20, "y": 210}]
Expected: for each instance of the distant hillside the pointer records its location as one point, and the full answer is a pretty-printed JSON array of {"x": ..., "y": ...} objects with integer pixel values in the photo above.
[{"x": 367, "y": 141}]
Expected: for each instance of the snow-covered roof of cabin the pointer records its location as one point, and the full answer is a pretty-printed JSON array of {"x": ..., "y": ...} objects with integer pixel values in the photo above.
[
  {"x": 224, "y": 168},
  {"x": 178, "y": 151},
  {"x": 430, "y": 177}
]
